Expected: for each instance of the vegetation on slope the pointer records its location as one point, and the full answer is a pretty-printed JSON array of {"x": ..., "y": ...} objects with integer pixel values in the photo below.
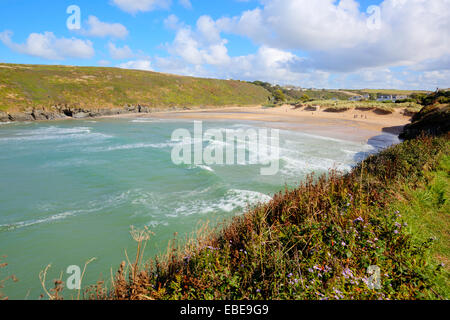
[
  {"x": 24, "y": 87},
  {"x": 390, "y": 92},
  {"x": 302, "y": 95},
  {"x": 438, "y": 97},
  {"x": 433, "y": 119},
  {"x": 379, "y": 107},
  {"x": 318, "y": 240},
  {"x": 426, "y": 210}
]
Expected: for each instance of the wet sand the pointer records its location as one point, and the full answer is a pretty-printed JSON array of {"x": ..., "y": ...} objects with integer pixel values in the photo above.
[{"x": 351, "y": 125}]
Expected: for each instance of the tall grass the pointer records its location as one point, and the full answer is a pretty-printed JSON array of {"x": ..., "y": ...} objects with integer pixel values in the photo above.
[{"x": 380, "y": 107}]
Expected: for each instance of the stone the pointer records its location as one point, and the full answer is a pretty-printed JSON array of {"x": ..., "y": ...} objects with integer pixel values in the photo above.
[
  {"x": 21, "y": 116},
  {"x": 80, "y": 115},
  {"x": 55, "y": 116},
  {"x": 39, "y": 115},
  {"x": 4, "y": 117}
]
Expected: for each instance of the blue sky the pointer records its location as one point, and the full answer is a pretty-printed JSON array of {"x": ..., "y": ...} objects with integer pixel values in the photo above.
[{"x": 320, "y": 43}]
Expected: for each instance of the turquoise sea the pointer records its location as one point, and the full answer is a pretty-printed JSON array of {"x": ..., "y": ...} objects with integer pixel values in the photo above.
[{"x": 70, "y": 190}]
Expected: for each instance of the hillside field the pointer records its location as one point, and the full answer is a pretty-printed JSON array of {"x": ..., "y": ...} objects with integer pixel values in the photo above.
[{"x": 24, "y": 87}]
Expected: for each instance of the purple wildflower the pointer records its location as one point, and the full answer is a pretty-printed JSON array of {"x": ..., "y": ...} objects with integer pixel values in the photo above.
[
  {"x": 360, "y": 219},
  {"x": 347, "y": 273}
]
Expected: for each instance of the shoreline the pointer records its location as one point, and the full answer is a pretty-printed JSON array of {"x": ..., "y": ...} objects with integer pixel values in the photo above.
[
  {"x": 354, "y": 124},
  {"x": 357, "y": 125}
]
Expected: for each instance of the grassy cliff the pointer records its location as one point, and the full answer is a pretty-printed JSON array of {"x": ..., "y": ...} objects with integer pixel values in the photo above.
[
  {"x": 433, "y": 119},
  {"x": 319, "y": 240},
  {"x": 24, "y": 87},
  {"x": 316, "y": 241}
]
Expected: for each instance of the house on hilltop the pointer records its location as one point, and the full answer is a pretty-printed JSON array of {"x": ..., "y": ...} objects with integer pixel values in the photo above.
[
  {"x": 391, "y": 97},
  {"x": 360, "y": 97}
]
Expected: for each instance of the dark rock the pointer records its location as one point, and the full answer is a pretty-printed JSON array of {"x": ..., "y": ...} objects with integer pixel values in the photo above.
[
  {"x": 39, "y": 115},
  {"x": 21, "y": 116},
  {"x": 132, "y": 109},
  {"x": 67, "y": 112},
  {"x": 94, "y": 113}
]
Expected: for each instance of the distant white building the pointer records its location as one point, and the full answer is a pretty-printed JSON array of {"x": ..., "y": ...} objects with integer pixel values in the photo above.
[
  {"x": 391, "y": 97},
  {"x": 360, "y": 97}
]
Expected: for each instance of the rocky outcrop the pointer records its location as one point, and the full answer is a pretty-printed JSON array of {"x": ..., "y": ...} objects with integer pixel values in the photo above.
[
  {"x": 4, "y": 116},
  {"x": 58, "y": 112},
  {"x": 80, "y": 115},
  {"x": 21, "y": 116},
  {"x": 39, "y": 115},
  {"x": 433, "y": 120}
]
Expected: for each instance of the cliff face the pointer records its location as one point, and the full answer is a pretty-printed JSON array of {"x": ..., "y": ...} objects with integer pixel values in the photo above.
[
  {"x": 433, "y": 120},
  {"x": 62, "y": 112}
]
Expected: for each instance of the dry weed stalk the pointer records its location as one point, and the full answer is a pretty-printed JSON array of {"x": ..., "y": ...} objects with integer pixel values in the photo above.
[
  {"x": 141, "y": 236},
  {"x": 59, "y": 284},
  {"x": 2, "y": 282},
  {"x": 82, "y": 275}
]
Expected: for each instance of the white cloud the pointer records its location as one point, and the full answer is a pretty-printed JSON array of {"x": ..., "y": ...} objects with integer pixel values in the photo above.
[
  {"x": 320, "y": 43},
  {"x": 118, "y": 53},
  {"x": 202, "y": 45},
  {"x": 137, "y": 65},
  {"x": 186, "y": 3},
  {"x": 203, "y": 52},
  {"x": 135, "y": 6},
  {"x": 98, "y": 28},
  {"x": 337, "y": 36},
  {"x": 47, "y": 46},
  {"x": 173, "y": 23}
]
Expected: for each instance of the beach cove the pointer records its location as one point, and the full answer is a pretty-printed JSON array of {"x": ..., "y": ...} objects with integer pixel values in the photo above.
[{"x": 78, "y": 185}]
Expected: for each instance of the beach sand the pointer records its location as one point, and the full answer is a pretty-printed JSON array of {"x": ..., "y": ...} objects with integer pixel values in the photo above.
[{"x": 353, "y": 124}]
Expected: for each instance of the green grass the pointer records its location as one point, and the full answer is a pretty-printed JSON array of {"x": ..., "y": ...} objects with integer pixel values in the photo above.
[
  {"x": 318, "y": 240},
  {"x": 340, "y": 106},
  {"x": 42, "y": 86},
  {"x": 427, "y": 212},
  {"x": 390, "y": 91}
]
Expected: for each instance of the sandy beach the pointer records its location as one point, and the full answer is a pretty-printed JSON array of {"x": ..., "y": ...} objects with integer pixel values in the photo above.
[{"x": 353, "y": 124}]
